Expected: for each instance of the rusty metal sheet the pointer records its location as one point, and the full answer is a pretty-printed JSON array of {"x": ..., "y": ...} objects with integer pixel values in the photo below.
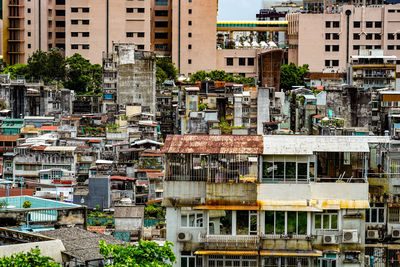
[
  {"x": 225, "y": 252},
  {"x": 313, "y": 253},
  {"x": 214, "y": 207},
  {"x": 214, "y": 144}
]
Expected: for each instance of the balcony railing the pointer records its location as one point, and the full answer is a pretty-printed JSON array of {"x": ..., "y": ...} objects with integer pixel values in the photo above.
[{"x": 246, "y": 240}]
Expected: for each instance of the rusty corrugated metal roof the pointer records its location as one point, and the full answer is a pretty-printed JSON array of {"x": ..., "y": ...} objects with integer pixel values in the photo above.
[{"x": 214, "y": 144}]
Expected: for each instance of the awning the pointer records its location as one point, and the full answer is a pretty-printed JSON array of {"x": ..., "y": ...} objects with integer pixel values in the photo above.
[
  {"x": 212, "y": 207},
  {"x": 225, "y": 252},
  {"x": 308, "y": 253}
]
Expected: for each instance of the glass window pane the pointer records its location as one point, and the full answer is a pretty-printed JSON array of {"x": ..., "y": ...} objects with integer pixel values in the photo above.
[
  {"x": 302, "y": 171},
  {"x": 280, "y": 222},
  {"x": 334, "y": 221},
  {"x": 290, "y": 170},
  {"x": 317, "y": 221},
  {"x": 242, "y": 222},
  {"x": 280, "y": 170},
  {"x": 269, "y": 222},
  {"x": 184, "y": 220},
  {"x": 192, "y": 262},
  {"x": 183, "y": 262},
  {"x": 222, "y": 222},
  {"x": 291, "y": 222},
  {"x": 267, "y": 169},
  {"x": 381, "y": 215},
  {"x": 302, "y": 223},
  {"x": 367, "y": 219},
  {"x": 191, "y": 220},
  {"x": 253, "y": 224},
  {"x": 325, "y": 221},
  {"x": 374, "y": 215}
]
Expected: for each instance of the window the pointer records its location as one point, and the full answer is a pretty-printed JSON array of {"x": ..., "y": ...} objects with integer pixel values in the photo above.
[
  {"x": 397, "y": 47},
  {"x": 369, "y": 24},
  {"x": 129, "y": 10},
  {"x": 140, "y": 47},
  {"x": 335, "y": 63},
  {"x": 74, "y": 21},
  {"x": 375, "y": 214},
  {"x": 391, "y": 36},
  {"x": 85, "y": 34},
  {"x": 189, "y": 61},
  {"x": 29, "y": 45},
  {"x": 327, "y": 63},
  {"x": 242, "y": 61},
  {"x": 60, "y": 2},
  {"x": 327, "y": 24},
  {"x": 74, "y": 10},
  {"x": 29, "y": 10},
  {"x": 285, "y": 222},
  {"x": 356, "y": 36},
  {"x": 327, "y": 220},
  {"x": 335, "y": 48},
  {"x": 29, "y": 34},
  {"x": 377, "y": 36},
  {"x": 161, "y": 2},
  {"x": 140, "y": 10},
  {"x": 189, "y": 11},
  {"x": 161, "y": 13},
  {"x": 378, "y": 47},
  {"x": 246, "y": 222},
  {"x": 336, "y": 24},
  {"x": 394, "y": 215},
  {"x": 60, "y": 23},
  {"x": 85, "y": 22},
  {"x": 189, "y": 46},
  {"x": 356, "y": 47},
  {"x": 85, "y": 46},
  {"x": 327, "y": 48},
  {"x": 329, "y": 260},
  {"x": 368, "y": 36},
  {"x": 391, "y": 11},
  {"x": 220, "y": 223},
  {"x": 129, "y": 34},
  {"x": 190, "y": 23},
  {"x": 140, "y": 34},
  {"x": 335, "y": 36},
  {"x": 229, "y": 61},
  {"x": 60, "y": 34},
  {"x": 368, "y": 47},
  {"x": 250, "y": 61},
  {"x": 85, "y": 10},
  {"x": 161, "y": 35},
  {"x": 74, "y": 34},
  {"x": 191, "y": 219},
  {"x": 161, "y": 24},
  {"x": 378, "y": 24},
  {"x": 356, "y": 24},
  {"x": 60, "y": 13},
  {"x": 327, "y": 36},
  {"x": 74, "y": 46},
  {"x": 390, "y": 47},
  {"x": 189, "y": 34},
  {"x": 188, "y": 259},
  {"x": 398, "y": 36},
  {"x": 29, "y": 22}
]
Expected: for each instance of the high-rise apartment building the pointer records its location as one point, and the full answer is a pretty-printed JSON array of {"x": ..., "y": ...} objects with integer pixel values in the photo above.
[
  {"x": 327, "y": 41},
  {"x": 161, "y": 27}
]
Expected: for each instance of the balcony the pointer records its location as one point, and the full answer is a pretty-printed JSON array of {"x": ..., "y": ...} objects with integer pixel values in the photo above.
[{"x": 230, "y": 241}]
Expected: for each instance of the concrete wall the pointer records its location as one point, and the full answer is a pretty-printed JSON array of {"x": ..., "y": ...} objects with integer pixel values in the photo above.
[
  {"x": 262, "y": 108},
  {"x": 184, "y": 193}
]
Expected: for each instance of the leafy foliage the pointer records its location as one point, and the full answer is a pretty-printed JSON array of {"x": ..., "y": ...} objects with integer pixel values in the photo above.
[
  {"x": 82, "y": 77},
  {"x": 33, "y": 258},
  {"x": 165, "y": 70},
  {"x": 154, "y": 211},
  {"x": 27, "y": 204},
  {"x": 146, "y": 253},
  {"x": 220, "y": 75},
  {"x": 292, "y": 75},
  {"x": 202, "y": 107},
  {"x": 75, "y": 73}
]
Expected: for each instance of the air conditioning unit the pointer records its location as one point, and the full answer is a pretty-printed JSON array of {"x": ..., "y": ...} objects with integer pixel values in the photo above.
[
  {"x": 372, "y": 234},
  {"x": 350, "y": 236},
  {"x": 183, "y": 237},
  {"x": 329, "y": 239},
  {"x": 396, "y": 233}
]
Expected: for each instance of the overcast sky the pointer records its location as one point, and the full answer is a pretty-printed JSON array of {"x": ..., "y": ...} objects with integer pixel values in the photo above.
[{"x": 238, "y": 9}]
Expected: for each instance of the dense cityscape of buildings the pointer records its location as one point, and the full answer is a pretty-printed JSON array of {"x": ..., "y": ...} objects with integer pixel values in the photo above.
[{"x": 233, "y": 173}]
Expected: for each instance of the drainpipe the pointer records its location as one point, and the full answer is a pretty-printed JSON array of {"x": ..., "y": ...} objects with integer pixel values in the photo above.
[
  {"x": 40, "y": 25},
  {"x": 107, "y": 25},
  {"x": 348, "y": 13},
  {"x": 179, "y": 36}
]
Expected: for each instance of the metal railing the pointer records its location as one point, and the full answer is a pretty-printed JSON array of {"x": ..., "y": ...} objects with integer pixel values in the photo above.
[{"x": 229, "y": 239}]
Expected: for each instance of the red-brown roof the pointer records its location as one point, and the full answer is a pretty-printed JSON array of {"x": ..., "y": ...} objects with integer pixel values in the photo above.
[
  {"x": 122, "y": 178},
  {"x": 48, "y": 128},
  {"x": 155, "y": 175},
  {"x": 9, "y": 138},
  {"x": 38, "y": 148},
  {"x": 94, "y": 141},
  {"x": 214, "y": 144}
]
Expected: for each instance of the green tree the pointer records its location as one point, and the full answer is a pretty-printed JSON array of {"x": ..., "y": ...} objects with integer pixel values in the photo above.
[
  {"x": 292, "y": 75},
  {"x": 154, "y": 211},
  {"x": 165, "y": 69},
  {"x": 146, "y": 253},
  {"x": 17, "y": 70},
  {"x": 217, "y": 75},
  {"x": 55, "y": 66},
  {"x": 199, "y": 76},
  {"x": 81, "y": 76},
  {"x": 47, "y": 66},
  {"x": 33, "y": 258},
  {"x": 27, "y": 204}
]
